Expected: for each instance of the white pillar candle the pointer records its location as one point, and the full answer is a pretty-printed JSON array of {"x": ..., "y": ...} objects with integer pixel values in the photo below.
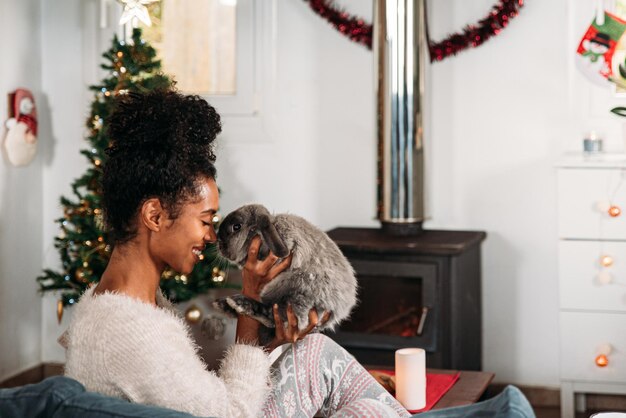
[{"x": 411, "y": 378}]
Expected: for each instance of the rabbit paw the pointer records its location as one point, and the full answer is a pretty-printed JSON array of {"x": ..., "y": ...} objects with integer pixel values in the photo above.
[
  {"x": 223, "y": 306},
  {"x": 252, "y": 308}
]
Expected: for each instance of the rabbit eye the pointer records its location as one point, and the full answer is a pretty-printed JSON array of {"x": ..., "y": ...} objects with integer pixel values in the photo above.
[{"x": 236, "y": 227}]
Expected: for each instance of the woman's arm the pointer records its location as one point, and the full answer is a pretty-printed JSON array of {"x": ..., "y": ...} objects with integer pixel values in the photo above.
[{"x": 151, "y": 359}]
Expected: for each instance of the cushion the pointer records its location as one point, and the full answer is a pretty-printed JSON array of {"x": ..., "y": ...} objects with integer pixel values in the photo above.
[
  {"x": 62, "y": 397},
  {"x": 38, "y": 400},
  {"x": 510, "y": 403}
]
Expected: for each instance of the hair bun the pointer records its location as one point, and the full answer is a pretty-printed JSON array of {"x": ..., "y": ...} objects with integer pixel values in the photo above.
[{"x": 162, "y": 119}]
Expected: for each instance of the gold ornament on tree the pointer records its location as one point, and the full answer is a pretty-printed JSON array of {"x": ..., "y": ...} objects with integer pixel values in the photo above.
[
  {"x": 193, "y": 314},
  {"x": 59, "y": 310}
]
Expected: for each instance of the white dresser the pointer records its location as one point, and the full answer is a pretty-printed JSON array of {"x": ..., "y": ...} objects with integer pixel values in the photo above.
[{"x": 592, "y": 276}]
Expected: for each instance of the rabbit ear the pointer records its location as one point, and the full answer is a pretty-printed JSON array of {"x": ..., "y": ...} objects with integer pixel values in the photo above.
[{"x": 271, "y": 237}]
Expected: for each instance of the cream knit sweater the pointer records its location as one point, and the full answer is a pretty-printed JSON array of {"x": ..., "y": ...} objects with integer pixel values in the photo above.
[{"x": 122, "y": 347}]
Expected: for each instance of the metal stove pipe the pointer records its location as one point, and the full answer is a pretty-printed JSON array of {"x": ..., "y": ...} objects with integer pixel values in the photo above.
[{"x": 401, "y": 54}]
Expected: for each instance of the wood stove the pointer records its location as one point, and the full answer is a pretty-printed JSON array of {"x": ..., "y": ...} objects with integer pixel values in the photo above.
[{"x": 414, "y": 291}]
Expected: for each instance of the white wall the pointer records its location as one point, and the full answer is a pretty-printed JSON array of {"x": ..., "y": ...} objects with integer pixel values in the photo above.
[
  {"x": 500, "y": 116},
  {"x": 20, "y": 196}
]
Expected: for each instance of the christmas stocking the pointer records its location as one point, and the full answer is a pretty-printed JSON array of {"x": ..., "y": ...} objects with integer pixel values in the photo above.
[
  {"x": 21, "y": 138},
  {"x": 596, "y": 49}
]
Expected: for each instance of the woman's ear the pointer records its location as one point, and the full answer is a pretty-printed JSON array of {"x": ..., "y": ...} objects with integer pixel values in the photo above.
[
  {"x": 153, "y": 214},
  {"x": 271, "y": 238}
]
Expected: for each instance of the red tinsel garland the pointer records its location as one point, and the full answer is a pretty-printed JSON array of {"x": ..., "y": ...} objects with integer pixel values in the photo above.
[
  {"x": 473, "y": 35},
  {"x": 354, "y": 28}
]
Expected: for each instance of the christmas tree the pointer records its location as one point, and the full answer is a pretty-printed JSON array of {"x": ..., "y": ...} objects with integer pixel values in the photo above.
[{"x": 83, "y": 242}]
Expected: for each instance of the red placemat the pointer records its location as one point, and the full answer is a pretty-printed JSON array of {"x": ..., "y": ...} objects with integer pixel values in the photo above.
[{"x": 436, "y": 386}]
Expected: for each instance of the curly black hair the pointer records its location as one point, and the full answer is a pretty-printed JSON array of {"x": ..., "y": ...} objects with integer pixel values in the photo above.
[{"x": 161, "y": 146}]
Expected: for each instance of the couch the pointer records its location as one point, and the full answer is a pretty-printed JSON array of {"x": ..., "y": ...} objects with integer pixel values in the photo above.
[{"x": 62, "y": 397}]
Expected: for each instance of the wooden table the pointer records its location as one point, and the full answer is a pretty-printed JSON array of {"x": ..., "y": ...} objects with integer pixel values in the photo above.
[{"x": 465, "y": 391}]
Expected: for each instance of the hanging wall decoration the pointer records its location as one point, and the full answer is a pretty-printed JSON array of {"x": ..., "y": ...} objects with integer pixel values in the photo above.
[
  {"x": 353, "y": 27},
  {"x": 597, "y": 46},
  {"x": 20, "y": 142},
  {"x": 472, "y": 35}
]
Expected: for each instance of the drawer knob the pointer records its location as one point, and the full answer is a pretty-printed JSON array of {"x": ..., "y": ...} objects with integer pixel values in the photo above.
[
  {"x": 614, "y": 211},
  {"x": 606, "y": 261},
  {"x": 604, "y": 277},
  {"x": 602, "y": 360}
]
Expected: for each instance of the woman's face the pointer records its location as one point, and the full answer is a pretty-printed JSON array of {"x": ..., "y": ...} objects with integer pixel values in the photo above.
[{"x": 183, "y": 239}]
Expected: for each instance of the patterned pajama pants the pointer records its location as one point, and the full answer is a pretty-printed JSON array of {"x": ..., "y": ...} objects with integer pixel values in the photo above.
[{"x": 316, "y": 374}]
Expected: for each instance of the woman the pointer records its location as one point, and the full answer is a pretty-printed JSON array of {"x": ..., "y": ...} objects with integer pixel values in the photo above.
[{"x": 159, "y": 198}]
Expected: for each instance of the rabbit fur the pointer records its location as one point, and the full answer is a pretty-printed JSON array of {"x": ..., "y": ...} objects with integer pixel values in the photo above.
[{"x": 319, "y": 276}]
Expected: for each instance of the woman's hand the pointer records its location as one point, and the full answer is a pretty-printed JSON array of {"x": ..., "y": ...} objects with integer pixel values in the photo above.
[
  {"x": 291, "y": 333},
  {"x": 257, "y": 273}
]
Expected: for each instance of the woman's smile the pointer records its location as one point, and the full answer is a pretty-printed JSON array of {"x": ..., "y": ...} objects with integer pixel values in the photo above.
[{"x": 197, "y": 251}]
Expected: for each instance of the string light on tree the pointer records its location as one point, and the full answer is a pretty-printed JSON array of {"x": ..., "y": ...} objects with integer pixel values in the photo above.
[
  {"x": 218, "y": 275},
  {"x": 59, "y": 310},
  {"x": 81, "y": 274}
]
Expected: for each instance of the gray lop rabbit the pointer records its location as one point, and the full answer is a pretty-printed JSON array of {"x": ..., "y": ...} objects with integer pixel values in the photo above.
[{"x": 319, "y": 276}]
